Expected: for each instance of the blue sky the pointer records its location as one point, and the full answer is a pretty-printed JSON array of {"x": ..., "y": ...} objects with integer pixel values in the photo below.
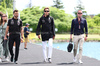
[{"x": 91, "y": 6}]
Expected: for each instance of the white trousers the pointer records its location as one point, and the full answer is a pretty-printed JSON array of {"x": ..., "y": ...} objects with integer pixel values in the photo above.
[
  {"x": 78, "y": 40},
  {"x": 50, "y": 45}
]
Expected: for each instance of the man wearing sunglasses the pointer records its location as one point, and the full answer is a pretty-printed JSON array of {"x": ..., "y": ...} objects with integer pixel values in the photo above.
[
  {"x": 47, "y": 33},
  {"x": 77, "y": 28}
]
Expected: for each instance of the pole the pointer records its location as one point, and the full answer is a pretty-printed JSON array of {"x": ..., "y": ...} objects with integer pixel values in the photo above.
[{"x": 14, "y": 4}]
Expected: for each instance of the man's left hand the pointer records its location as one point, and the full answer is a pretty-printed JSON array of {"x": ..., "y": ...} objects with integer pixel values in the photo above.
[
  {"x": 22, "y": 40},
  {"x": 53, "y": 37},
  {"x": 85, "y": 38}
]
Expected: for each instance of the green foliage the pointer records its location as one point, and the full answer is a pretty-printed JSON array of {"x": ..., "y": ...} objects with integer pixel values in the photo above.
[
  {"x": 90, "y": 22},
  {"x": 80, "y": 7},
  {"x": 62, "y": 27},
  {"x": 58, "y": 4},
  {"x": 61, "y": 19},
  {"x": 10, "y": 12},
  {"x": 94, "y": 24},
  {"x": 6, "y": 3},
  {"x": 2, "y": 9},
  {"x": 94, "y": 31},
  {"x": 97, "y": 20}
]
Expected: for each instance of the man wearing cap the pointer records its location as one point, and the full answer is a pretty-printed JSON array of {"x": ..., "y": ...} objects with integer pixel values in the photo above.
[
  {"x": 47, "y": 29},
  {"x": 77, "y": 28},
  {"x": 26, "y": 33},
  {"x": 14, "y": 27}
]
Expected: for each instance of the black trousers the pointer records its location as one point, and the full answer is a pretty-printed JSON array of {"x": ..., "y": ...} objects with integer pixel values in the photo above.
[{"x": 14, "y": 38}]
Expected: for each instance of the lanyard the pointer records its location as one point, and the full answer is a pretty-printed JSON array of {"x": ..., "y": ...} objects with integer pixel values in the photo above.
[{"x": 79, "y": 24}]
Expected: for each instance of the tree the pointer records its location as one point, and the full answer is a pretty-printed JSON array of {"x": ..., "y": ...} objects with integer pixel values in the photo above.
[
  {"x": 58, "y": 4},
  {"x": 30, "y": 4},
  {"x": 3, "y": 4},
  {"x": 6, "y": 3},
  {"x": 80, "y": 7},
  {"x": 97, "y": 20}
]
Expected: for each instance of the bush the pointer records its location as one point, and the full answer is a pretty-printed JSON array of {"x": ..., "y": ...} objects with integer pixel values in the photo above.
[
  {"x": 94, "y": 31},
  {"x": 62, "y": 27}
]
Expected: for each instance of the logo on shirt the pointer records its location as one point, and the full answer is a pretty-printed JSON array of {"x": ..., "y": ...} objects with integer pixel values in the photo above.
[
  {"x": 49, "y": 20},
  {"x": 43, "y": 21},
  {"x": 12, "y": 22},
  {"x": 18, "y": 23}
]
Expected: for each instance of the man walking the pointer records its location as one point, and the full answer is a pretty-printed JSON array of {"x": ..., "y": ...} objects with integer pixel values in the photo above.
[
  {"x": 47, "y": 33},
  {"x": 15, "y": 29},
  {"x": 77, "y": 28}
]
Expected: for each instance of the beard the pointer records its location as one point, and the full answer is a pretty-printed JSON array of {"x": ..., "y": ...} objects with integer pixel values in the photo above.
[
  {"x": 79, "y": 16},
  {"x": 16, "y": 16}
]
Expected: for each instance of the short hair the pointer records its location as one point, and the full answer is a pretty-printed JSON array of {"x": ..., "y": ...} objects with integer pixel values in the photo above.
[
  {"x": 1, "y": 13},
  {"x": 79, "y": 10},
  {"x": 15, "y": 11},
  {"x": 46, "y": 8}
]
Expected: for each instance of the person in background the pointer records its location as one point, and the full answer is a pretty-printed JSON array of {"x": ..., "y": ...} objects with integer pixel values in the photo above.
[
  {"x": 5, "y": 42},
  {"x": 1, "y": 48},
  {"x": 47, "y": 29},
  {"x": 26, "y": 33},
  {"x": 77, "y": 28}
]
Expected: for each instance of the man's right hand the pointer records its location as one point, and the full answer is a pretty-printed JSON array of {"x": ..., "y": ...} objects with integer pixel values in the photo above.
[
  {"x": 70, "y": 36},
  {"x": 5, "y": 38},
  {"x": 39, "y": 36}
]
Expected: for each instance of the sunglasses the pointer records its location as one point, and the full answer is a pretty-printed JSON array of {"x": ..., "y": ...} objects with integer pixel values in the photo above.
[
  {"x": 79, "y": 13},
  {"x": 46, "y": 11}
]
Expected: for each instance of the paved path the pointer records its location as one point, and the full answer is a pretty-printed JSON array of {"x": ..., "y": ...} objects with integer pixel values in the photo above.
[{"x": 33, "y": 57}]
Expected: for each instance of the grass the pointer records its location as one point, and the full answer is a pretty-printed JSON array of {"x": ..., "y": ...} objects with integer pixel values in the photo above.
[{"x": 91, "y": 37}]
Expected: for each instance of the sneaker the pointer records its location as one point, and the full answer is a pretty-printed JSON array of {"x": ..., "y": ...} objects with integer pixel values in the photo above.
[
  {"x": 45, "y": 60},
  {"x": 74, "y": 60},
  {"x": 0, "y": 60},
  {"x": 15, "y": 62},
  {"x": 80, "y": 61},
  {"x": 25, "y": 48},
  {"x": 49, "y": 59},
  {"x": 7, "y": 59},
  {"x": 11, "y": 59}
]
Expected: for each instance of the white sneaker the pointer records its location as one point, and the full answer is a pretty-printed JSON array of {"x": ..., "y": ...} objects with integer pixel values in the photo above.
[
  {"x": 0, "y": 60},
  {"x": 49, "y": 59},
  {"x": 80, "y": 61},
  {"x": 7, "y": 59},
  {"x": 74, "y": 60},
  {"x": 45, "y": 60}
]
